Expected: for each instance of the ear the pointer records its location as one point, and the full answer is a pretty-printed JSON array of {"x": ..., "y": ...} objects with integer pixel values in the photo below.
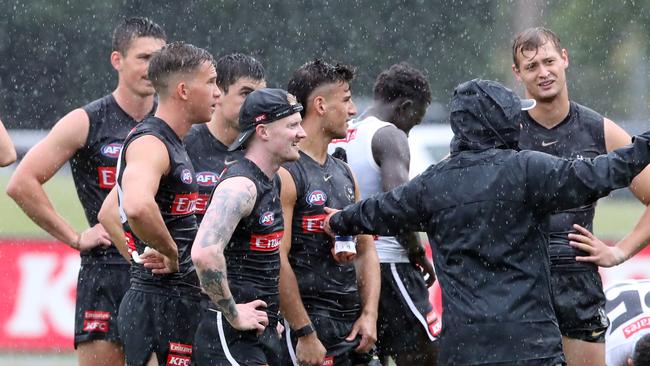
[
  {"x": 182, "y": 90},
  {"x": 319, "y": 105},
  {"x": 565, "y": 57},
  {"x": 116, "y": 60},
  {"x": 262, "y": 131},
  {"x": 516, "y": 71},
  {"x": 405, "y": 104}
]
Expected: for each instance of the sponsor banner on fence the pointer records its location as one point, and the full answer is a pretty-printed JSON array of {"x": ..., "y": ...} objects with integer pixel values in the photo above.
[{"x": 38, "y": 285}]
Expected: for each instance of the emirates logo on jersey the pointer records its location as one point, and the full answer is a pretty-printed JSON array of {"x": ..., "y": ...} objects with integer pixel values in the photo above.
[
  {"x": 186, "y": 176},
  {"x": 111, "y": 150},
  {"x": 316, "y": 197},
  {"x": 207, "y": 179},
  {"x": 266, "y": 242},
  {"x": 267, "y": 218}
]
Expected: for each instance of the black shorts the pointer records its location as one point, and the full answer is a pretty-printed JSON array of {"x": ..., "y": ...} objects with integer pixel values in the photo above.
[
  {"x": 217, "y": 343},
  {"x": 579, "y": 303},
  {"x": 157, "y": 323},
  {"x": 332, "y": 334},
  {"x": 406, "y": 320},
  {"x": 100, "y": 289}
]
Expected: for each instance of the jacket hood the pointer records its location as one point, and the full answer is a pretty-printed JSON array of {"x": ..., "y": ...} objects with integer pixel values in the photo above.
[{"x": 484, "y": 115}]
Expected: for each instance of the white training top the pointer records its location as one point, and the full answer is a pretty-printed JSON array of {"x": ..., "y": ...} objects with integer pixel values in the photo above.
[
  {"x": 358, "y": 147},
  {"x": 628, "y": 310}
]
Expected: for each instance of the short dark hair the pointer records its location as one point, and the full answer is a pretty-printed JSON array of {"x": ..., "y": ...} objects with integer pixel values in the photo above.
[
  {"x": 402, "y": 81},
  {"x": 132, "y": 28},
  {"x": 314, "y": 74},
  {"x": 532, "y": 39},
  {"x": 235, "y": 66},
  {"x": 176, "y": 57},
  {"x": 641, "y": 355}
]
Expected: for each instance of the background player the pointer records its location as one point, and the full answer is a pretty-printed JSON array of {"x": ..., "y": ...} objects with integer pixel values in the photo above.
[
  {"x": 236, "y": 250},
  {"x": 378, "y": 152},
  {"x": 331, "y": 307},
  {"x": 91, "y": 139},
  {"x": 564, "y": 128},
  {"x": 157, "y": 195}
]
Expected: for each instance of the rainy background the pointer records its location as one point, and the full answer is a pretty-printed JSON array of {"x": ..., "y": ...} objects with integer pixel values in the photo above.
[{"x": 54, "y": 56}]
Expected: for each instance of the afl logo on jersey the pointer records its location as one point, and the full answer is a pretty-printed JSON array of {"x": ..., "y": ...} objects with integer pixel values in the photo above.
[
  {"x": 267, "y": 218},
  {"x": 186, "y": 176},
  {"x": 112, "y": 150},
  {"x": 317, "y": 197},
  {"x": 207, "y": 179}
]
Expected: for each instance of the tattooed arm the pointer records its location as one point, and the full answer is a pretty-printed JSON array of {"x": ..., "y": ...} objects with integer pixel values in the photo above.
[{"x": 232, "y": 200}]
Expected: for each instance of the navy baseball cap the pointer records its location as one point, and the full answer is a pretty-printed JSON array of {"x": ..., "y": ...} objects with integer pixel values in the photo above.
[{"x": 263, "y": 106}]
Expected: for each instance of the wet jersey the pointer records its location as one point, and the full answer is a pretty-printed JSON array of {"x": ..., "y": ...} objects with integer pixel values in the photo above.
[
  {"x": 93, "y": 166},
  {"x": 253, "y": 253},
  {"x": 326, "y": 287},
  {"x": 176, "y": 198},
  {"x": 580, "y": 135},
  {"x": 628, "y": 309},
  {"x": 358, "y": 147},
  {"x": 209, "y": 157}
]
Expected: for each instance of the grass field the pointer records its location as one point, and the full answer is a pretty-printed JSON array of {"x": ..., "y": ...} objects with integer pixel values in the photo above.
[{"x": 614, "y": 217}]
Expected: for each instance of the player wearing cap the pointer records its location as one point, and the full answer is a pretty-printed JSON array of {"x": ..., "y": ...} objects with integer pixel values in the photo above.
[
  {"x": 564, "y": 128},
  {"x": 236, "y": 250},
  {"x": 331, "y": 307},
  {"x": 378, "y": 152},
  {"x": 157, "y": 193},
  {"x": 91, "y": 139},
  {"x": 207, "y": 144},
  {"x": 493, "y": 268}
]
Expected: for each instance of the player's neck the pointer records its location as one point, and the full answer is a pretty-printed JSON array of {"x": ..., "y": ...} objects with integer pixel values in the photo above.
[
  {"x": 552, "y": 112},
  {"x": 267, "y": 163},
  {"x": 315, "y": 144},
  {"x": 175, "y": 116},
  {"x": 222, "y": 130},
  {"x": 134, "y": 105},
  {"x": 379, "y": 110}
]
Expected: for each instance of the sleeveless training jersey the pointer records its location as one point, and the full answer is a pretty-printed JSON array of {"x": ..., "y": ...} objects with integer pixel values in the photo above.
[
  {"x": 580, "y": 135},
  {"x": 326, "y": 287},
  {"x": 628, "y": 309},
  {"x": 358, "y": 146},
  {"x": 209, "y": 158},
  {"x": 93, "y": 166},
  {"x": 176, "y": 199},
  {"x": 253, "y": 253}
]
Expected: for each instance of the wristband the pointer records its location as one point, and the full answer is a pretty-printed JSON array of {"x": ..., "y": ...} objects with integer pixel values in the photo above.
[{"x": 306, "y": 330}]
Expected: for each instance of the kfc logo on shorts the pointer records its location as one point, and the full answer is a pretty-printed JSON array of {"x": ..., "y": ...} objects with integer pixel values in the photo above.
[
  {"x": 186, "y": 176},
  {"x": 207, "y": 179},
  {"x": 328, "y": 361},
  {"x": 106, "y": 177},
  {"x": 179, "y": 354},
  {"x": 317, "y": 198},
  {"x": 96, "y": 321},
  {"x": 313, "y": 223},
  {"x": 267, "y": 218},
  {"x": 184, "y": 204},
  {"x": 266, "y": 243},
  {"x": 111, "y": 150},
  {"x": 434, "y": 324}
]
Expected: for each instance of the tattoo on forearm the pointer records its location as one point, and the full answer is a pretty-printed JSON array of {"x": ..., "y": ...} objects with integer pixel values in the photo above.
[
  {"x": 227, "y": 207},
  {"x": 213, "y": 285},
  {"x": 228, "y": 308}
]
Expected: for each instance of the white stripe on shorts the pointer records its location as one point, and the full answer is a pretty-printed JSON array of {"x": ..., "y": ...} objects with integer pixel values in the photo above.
[
  {"x": 409, "y": 301},
  {"x": 292, "y": 352},
  {"x": 222, "y": 338}
]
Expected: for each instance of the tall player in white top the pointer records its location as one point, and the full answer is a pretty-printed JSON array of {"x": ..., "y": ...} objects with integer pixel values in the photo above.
[{"x": 377, "y": 150}]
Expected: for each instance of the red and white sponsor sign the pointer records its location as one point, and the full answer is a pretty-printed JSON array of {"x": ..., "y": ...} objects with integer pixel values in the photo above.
[
  {"x": 643, "y": 323},
  {"x": 266, "y": 243},
  {"x": 179, "y": 354},
  {"x": 106, "y": 176},
  {"x": 328, "y": 361},
  {"x": 96, "y": 321},
  {"x": 38, "y": 280}
]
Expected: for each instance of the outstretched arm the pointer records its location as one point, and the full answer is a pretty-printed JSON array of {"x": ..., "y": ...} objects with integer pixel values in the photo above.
[{"x": 232, "y": 200}]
